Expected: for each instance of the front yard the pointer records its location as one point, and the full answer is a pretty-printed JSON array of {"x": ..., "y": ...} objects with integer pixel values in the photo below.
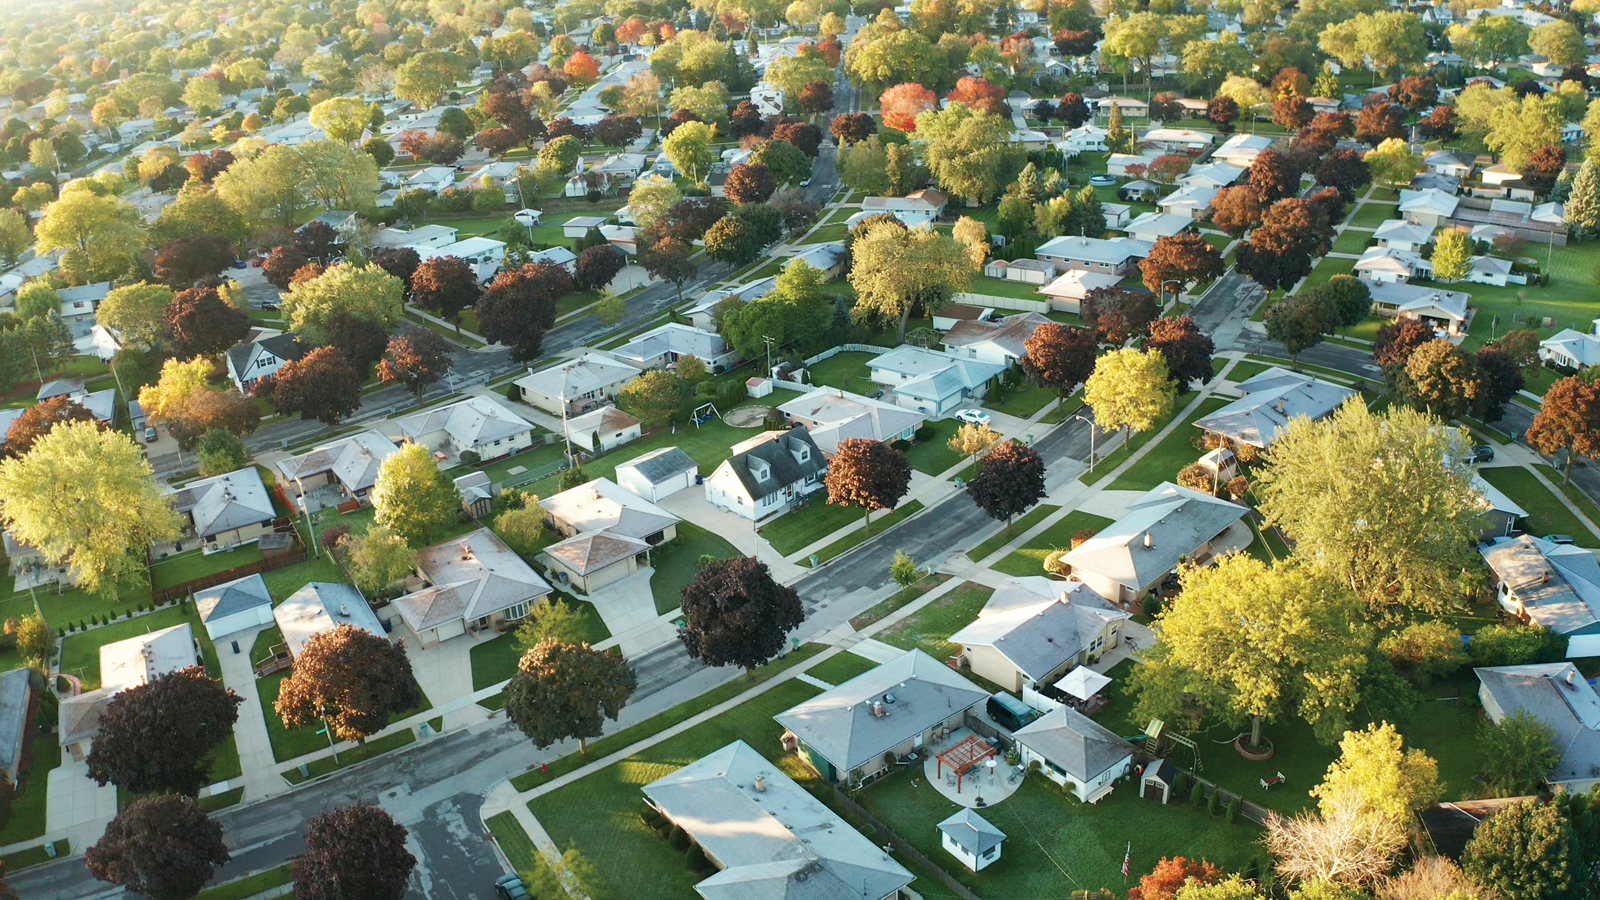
[
  {"x": 678, "y": 561},
  {"x": 1175, "y": 451},
  {"x": 927, "y": 628},
  {"x": 495, "y": 660},
  {"x": 1029, "y": 558},
  {"x": 289, "y": 743},
  {"x": 1546, "y": 513}
]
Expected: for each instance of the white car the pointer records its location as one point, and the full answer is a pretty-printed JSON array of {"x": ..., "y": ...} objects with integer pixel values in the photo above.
[{"x": 974, "y": 416}]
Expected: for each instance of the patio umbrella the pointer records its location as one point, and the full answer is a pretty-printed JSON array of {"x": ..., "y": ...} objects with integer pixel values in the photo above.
[{"x": 1083, "y": 682}]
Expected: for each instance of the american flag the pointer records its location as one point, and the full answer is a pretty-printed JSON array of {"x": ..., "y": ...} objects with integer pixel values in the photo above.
[{"x": 1127, "y": 859}]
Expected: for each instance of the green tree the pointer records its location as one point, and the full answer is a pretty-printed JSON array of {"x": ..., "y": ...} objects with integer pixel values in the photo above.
[
  {"x": 1392, "y": 163},
  {"x": 1375, "y": 768},
  {"x": 203, "y": 94},
  {"x": 265, "y": 189},
  {"x": 365, "y": 291},
  {"x": 553, "y": 619},
  {"x": 523, "y": 529},
  {"x": 15, "y": 237},
  {"x": 655, "y": 398},
  {"x": 1518, "y": 128},
  {"x": 424, "y": 78},
  {"x": 1452, "y": 255},
  {"x": 708, "y": 101},
  {"x": 969, "y": 152},
  {"x": 1301, "y": 322},
  {"x": 36, "y": 299},
  {"x": 1517, "y": 755},
  {"x": 378, "y": 558},
  {"x": 1583, "y": 204},
  {"x": 903, "y": 569},
  {"x": 343, "y": 118},
  {"x": 412, "y": 497},
  {"x": 1560, "y": 41},
  {"x": 895, "y": 268},
  {"x": 563, "y": 691},
  {"x": 1130, "y": 389},
  {"x": 99, "y": 233},
  {"x": 1526, "y": 851},
  {"x": 1441, "y": 379},
  {"x": 336, "y": 176},
  {"x": 651, "y": 197},
  {"x": 689, "y": 148},
  {"x": 221, "y": 451}
]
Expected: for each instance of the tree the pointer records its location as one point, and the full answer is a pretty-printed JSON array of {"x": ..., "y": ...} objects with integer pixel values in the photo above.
[
  {"x": 850, "y": 128},
  {"x": 1452, "y": 255},
  {"x": 1396, "y": 340},
  {"x": 1379, "y": 121},
  {"x": 1345, "y": 171},
  {"x": 1117, "y": 315},
  {"x": 1222, "y": 112},
  {"x": 354, "y": 851},
  {"x": 1348, "y": 845},
  {"x": 869, "y": 474},
  {"x": 971, "y": 439},
  {"x": 321, "y": 386},
  {"x": 520, "y": 304},
  {"x": 87, "y": 499},
  {"x": 156, "y": 736},
  {"x": 38, "y": 420},
  {"x": 597, "y": 266},
  {"x": 99, "y": 234},
  {"x": 1439, "y": 123},
  {"x": 689, "y": 148},
  {"x": 1274, "y": 176},
  {"x": 901, "y": 104},
  {"x": 444, "y": 286},
  {"x": 1399, "y": 528},
  {"x": 1501, "y": 381},
  {"x": 363, "y": 341},
  {"x": 655, "y": 397},
  {"x": 1392, "y": 162},
  {"x": 220, "y": 451},
  {"x": 1292, "y": 112},
  {"x": 735, "y": 613},
  {"x": 424, "y": 78},
  {"x": 1237, "y": 209},
  {"x": 352, "y": 679},
  {"x": 164, "y": 847},
  {"x": 1569, "y": 420},
  {"x": 1186, "y": 350},
  {"x": 669, "y": 261},
  {"x": 1583, "y": 204},
  {"x": 1441, "y": 379},
  {"x": 15, "y": 237},
  {"x": 1376, "y": 771},
  {"x": 968, "y": 151},
  {"x": 1130, "y": 389},
  {"x": 189, "y": 259},
  {"x": 343, "y": 118},
  {"x": 816, "y": 97},
  {"x": 562, "y": 691},
  {"x": 362, "y": 290},
  {"x": 198, "y": 322},
  {"x": 416, "y": 358},
  {"x": 1300, "y": 322},
  {"x": 894, "y": 268},
  {"x": 1172, "y": 875},
  {"x": 1560, "y": 41},
  {"x": 135, "y": 312},
  {"x": 1526, "y": 851},
  {"x": 1350, "y": 297},
  {"x": 1522, "y": 345},
  {"x": 1185, "y": 258},
  {"x": 749, "y": 183},
  {"x": 1010, "y": 481},
  {"x": 412, "y": 497},
  {"x": 1517, "y": 755}
]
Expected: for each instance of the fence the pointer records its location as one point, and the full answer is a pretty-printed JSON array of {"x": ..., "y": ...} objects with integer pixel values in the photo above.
[
  {"x": 199, "y": 584},
  {"x": 831, "y": 352},
  {"x": 999, "y": 302},
  {"x": 900, "y": 844}
]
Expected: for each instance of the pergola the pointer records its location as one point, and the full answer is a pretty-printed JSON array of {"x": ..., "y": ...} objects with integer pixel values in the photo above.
[{"x": 964, "y": 756}]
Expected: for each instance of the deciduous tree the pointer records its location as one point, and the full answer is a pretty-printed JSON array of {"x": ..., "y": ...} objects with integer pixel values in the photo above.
[
  {"x": 1116, "y": 315},
  {"x": 198, "y": 322},
  {"x": 352, "y": 679},
  {"x": 1172, "y": 875},
  {"x": 968, "y": 151},
  {"x": 354, "y": 851},
  {"x": 1380, "y": 121},
  {"x": 655, "y": 398},
  {"x": 1568, "y": 420},
  {"x": 1501, "y": 381},
  {"x": 848, "y": 128},
  {"x": 1392, "y": 163},
  {"x": 597, "y": 266},
  {"x": 412, "y": 497},
  {"x": 98, "y": 232},
  {"x": 186, "y": 260},
  {"x": 1130, "y": 389},
  {"x": 749, "y": 183},
  {"x": 1396, "y": 340},
  {"x": 736, "y": 613},
  {"x": 1378, "y": 772},
  {"x": 563, "y": 691},
  {"x": 1184, "y": 258},
  {"x": 901, "y": 104},
  {"x": 220, "y": 451},
  {"x": 971, "y": 439},
  {"x": 1274, "y": 176},
  {"x": 1452, "y": 255},
  {"x": 689, "y": 148},
  {"x": 1186, "y": 349},
  {"x": 1442, "y": 380},
  {"x": 38, "y": 420},
  {"x": 1010, "y": 481},
  {"x": 156, "y": 736},
  {"x": 520, "y": 305},
  {"x": 1345, "y": 171},
  {"x": 161, "y": 847},
  {"x": 1237, "y": 209},
  {"x": 445, "y": 286},
  {"x": 321, "y": 385},
  {"x": 869, "y": 474},
  {"x": 894, "y": 268},
  {"x": 136, "y": 312},
  {"x": 1526, "y": 851},
  {"x": 1517, "y": 754},
  {"x": 416, "y": 358},
  {"x": 362, "y": 290}
]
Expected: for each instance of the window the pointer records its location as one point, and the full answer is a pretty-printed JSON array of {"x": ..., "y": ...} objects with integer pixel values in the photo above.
[{"x": 517, "y": 611}]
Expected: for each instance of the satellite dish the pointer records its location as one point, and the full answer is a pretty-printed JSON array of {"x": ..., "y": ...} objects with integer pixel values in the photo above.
[{"x": 527, "y": 217}]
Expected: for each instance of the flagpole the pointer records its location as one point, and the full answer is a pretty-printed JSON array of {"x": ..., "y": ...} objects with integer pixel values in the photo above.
[{"x": 1127, "y": 859}]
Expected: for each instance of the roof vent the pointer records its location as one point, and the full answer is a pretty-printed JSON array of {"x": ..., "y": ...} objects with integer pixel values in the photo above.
[
  {"x": 761, "y": 783},
  {"x": 889, "y": 698},
  {"x": 1572, "y": 674},
  {"x": 1149, "y": 542},
  {"x": 344, "y": 610},
  {"x": 1280, "y": 404}
]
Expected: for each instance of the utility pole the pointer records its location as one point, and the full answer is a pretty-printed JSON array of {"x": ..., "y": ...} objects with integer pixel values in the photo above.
[{"x": 768, "y": 341}]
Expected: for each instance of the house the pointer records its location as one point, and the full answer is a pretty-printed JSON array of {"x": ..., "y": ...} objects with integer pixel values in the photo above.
[
  {"x": 480, "y": 424},
  {"x": 1131, "y": 107},
  {"x": 484, "y": 254},
  {"x": 1489, "y": 270},
  {"x": 336, "y": 472},
  {"x": 1116, "y": 214},
  {"x": 1573, "y": 349},
  {"x": 16, "y": 719},
  {"x": 888, "y": 711},
  {"x": 1115, "y": 256},
  {"x": 1068, "y": 292},
  {"x": 1179, "y": 139},
  {"x": 1446, "y": 311},
  {"x": 578, "y": 226},
  {"x": 915, "y": 208},
  {"x": 1192, "y": 201},
  {"x": 1553, "y": 585},
  {"x": 101, "y": 404},
  {"x": 1128, "y": 164},
  {"x": 226, "y": 510},
  {"x": 830, "y": 415},
  {"x": 829, "y": 259},
  {"x": 931, "y": 381},
  {"x": 1242, "y": 149},
  {"x": 1152, "y": 226},
  {"x": 1457, "y": 164},
  {"x": 1026, "y": 271},
  {"x": 1075, "y": 751},
  {"x": 1391, "y": 265},
  {"x": 555, "y": 256},
  {"x": 78, "y": 305},
  {"x": 1451, "y": 824},
  {"x": 234, "y": 606},
  {"x": 471, "y": 583},
  {"x": 770, "y": 838},
  {"x": 663, "y": 347},
  {"x": 602, "y": 429},
  {"x": 952, "y": 314},
  {"x": 1446, "y": 184},
  {"x": 322, "y": 606},
  {"x": 1130, "y": 556},
  {"x": 1402, "y": 234},
  {"x": 251, "y": 361},
  {"x": 1033, "y": 629},
  {"x": 576, "y": 385},
  {"x": 1138, "y": 189},
  {"x": 1217, "y": 175},
  {"x": 1428, "y": 206},
  {"x": 768, "y": 99},
  {"x": 970, "y": 838},
  {"x": 658, "y": 474},
  {"x": 623, "y": 237},
  {"x": 123, "y": 664},
  {"x": 767, "y": 473},
  {"x": 999, "y": 343},
  {"x": 432, "y": 178},
  {"x": 1558, "y": 695},
  {"x": 26, "y": 563},
  {"x": 1087, "y": 136},
  {"x": 1271, "y": 400},
  {"x": 607, "y": 529}
]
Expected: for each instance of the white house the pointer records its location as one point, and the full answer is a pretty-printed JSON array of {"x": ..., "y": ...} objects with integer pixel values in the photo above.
[
  {"x": 480, "y": 424},
  {"x": 606, "y": 532},
  {"x": 767, "y": 473},
  {"x": 1573, "y": 349},
  {"x": 915, "y": 208},
  {"x": 830, "y": 415},
  {"x": 663, "y": 347},
  {"x": 1068, "y": 292},
  {"x": 576, "y": 385},
  {"x": 998, "y": 343},
  {"x": 578, "y": 226},
  {"x": 1218, "y": 175},
  {"x": 1075, "y": 751},
  {"x": 1086, "y": 137},
  {"x": 78, "y": 305},
  {"x": 1184, "y": 139},
  {"x": 1402, "y": 234},
  {"x": 1429, "y": 206},
  {"x": 603, "y": 429},
  {"x": 1024, "y": 271},
  {"x": 1553, "y": 585},
  {"x": 1116, "y": 256},
  {"x": 421, "y": 236},
  {"x": 1558, "y": 695},
  {"x": 1489, "y": 270},
  {"x": 470, "y": 583},
  {"x": 970, "y": 838},
  {"x": 322, "y": 606},
  {"x": 1033, "y": 629},
  {"x": 432, "y": 178},
  {"x": 1446, "y": 311},
  {"x": 1242, "y": 149},
  {"x": 1271, "y": 400},
  {"x": 123, "y": 664},
  {"x": 1193, "y": 201},
  {"x": 226, "y": 510},
  {"x": 485, "y": 255},
  {"x": 234, "y": 606},
  {"x": 658, "y": 474},
  {"x": 931, "y": 381},
  {"x": 1152, "y": 226},
  {"x": 252, "y": 361},
  {"x": 1391, "y": 265}
]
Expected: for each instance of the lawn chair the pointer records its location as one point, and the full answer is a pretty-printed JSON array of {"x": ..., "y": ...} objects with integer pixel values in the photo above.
[{"x": 950, "y": 779}]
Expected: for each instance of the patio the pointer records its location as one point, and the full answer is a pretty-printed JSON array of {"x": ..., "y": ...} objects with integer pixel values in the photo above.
[{"x": 984, "y": 778}]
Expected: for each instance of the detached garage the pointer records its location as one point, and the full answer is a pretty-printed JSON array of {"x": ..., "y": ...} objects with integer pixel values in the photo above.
[
  {"x": 658, "y": 474},
  {"x": 233, "y": 607}
]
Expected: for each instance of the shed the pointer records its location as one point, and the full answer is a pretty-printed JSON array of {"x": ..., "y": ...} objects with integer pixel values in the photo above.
[
  {"x": 658, "y": 474},
  {"x": 970, "y": 838},
  {"x": 1158, "y": 776},
  {"x": 235, "y": 606}
]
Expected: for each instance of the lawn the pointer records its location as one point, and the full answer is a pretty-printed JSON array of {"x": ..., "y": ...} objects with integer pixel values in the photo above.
[
  {"x": 1569, "y": 298},
  {"x": 1000, "y": 538},
  {"x": 1326, "y": 269},
  {"x": 1029, "y": 558},
  {"x": 1023, "y": 401},
  {"x": 927, "y": 628},
  {"x": 28, "y": 804},
  {"x": 495, "y": 660},
  {"x": 283, "y": 582},
  {"x": 1163, "y": 461},
  {"x": 1244, "y": 370},
  {"x": 800, "y": 528},
  {"x": 678, "y": 560},
  {"x": 1109, "y": 460},
  {"x": 903, "y": 597},
  {"x": 841, "y": 668},
  {"x": 846, "y": 370},
  {"x": 934, "y": 456},
  {"x": 1546, "y": 513},
  {"x": 1573, "y": 493},
  {"x": 80, "y": 651},
  {"x": 249, "y": 886},
  {"x": 289, "y": 743},
  {"x": 827, "y": 234},
  {"x": 860, "y": 535},
  {"x": 186, "y": 567},
  {"x": 1352, "y": 242},
  {"x": 1371, "y": 215},
  {"x": 1001, "y": 287},
  {"x": 514, "y": 843},
  {"x": 531, "y": 460},
  {"x": 353, "y": 755}
]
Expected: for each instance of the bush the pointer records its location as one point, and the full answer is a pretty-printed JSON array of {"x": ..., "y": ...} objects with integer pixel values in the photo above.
[
  {"x": 1425, "y": 650},
  {"x": 334, "y": 536},
  {"x": 455, "y": 200},
  {"x": 678, "y": 839},
  {"x": 1507, "y": 645},
  {"x": 696, "y": 858},
  {"x": 902, "y": 446},
  {"x": 513, "y": 391},
  {"x": 1180, "y": 783},
  {"x": 1234, "y": 805},
  {"x": 1197, "y": 794},
  {"x": 650, "y": 817},
  {"x": 925, "y": 433},
  {"x": 1212, "y": 802},
  {"x": 1080, "y": 537},
  {"x": 470, "y": 458}
]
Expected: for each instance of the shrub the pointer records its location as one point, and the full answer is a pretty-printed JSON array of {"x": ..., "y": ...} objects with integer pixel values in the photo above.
[
  {"x": 1212, "y": 802},
  {"x": 1054, "y": 565},
  {"x": 334, "y": 536},
  {"x": 650, "y": 817},
  {"x": 513, "y": 391},
  {"x": 1238, "y": 485},
  {"x": 1506, "y": 645},
  {"x": 1195, "y": 477},
  {"x": 470, "y": 458},
  {"x": 678, "y": 839},
  {"x": 1180, "y": 783},
  {"x": 924, "y": 434},
  {"x": 1197, "y": 794},
  {"x": 696, "y": 858},
  {"x": 902, "y": 446},
  {"x": 1234, "y": 805},
  {"x": 1080, "y": 537}
]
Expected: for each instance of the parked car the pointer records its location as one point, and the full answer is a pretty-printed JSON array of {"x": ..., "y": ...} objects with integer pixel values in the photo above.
[
  {"x": 1102, "y": 180},
  {"x": 974, "y": 416},
  {"x": 806, "y": 183},
  {"x": 510, "y": 887},
  {"x": 240, "y": 264},
  {"x": 149, "y": 434},
  {"x": 1482, "y": 453},
  {"x": 1559, "y": 538}
]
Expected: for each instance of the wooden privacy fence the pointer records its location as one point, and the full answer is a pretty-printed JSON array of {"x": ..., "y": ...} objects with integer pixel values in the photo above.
[{"x": 902, "y": 845}]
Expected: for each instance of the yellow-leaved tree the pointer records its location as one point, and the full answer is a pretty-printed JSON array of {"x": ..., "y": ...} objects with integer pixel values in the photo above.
[{"x": 1130, "y": 389}]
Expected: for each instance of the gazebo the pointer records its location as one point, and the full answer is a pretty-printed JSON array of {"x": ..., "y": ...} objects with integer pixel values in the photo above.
[{"x": 964, "y": 756}]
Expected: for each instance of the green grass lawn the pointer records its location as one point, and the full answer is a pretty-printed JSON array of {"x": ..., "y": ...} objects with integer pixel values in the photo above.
[
  {"x": 903, "y": 597},
  {"x": 80, "y": 652},
  {"x": 860, "y": 535},
  {"x": 28, "y": 804},
  {"x": 800, "y": 527},
  {"x": 185, "y": 567},
  {"x": 531, "y": 460},
  {"x": 1163, "y": 461},
  {"x": 289, "y": 743},
  {"x": 1573, "y": 493},
  {"x": 934, "y": 456},
  {"x": 841, "y": 668},
  {"x": 1106, "y": 462},
  {"x": 495, "y": 660},
  {"x": 1371, "y": 215},
  {"x": 1546, "y": 513},
  {"x": 249, "y": 886},
  {"x": 1003, "y": 287},
  {"x": 33, "y": 856},
  {"x": 514, "y": 843},
  {"x": 1328, "y": 268},
  {"x": 677, "y": 561},
  {"x": 1569, "y": 298},
  {"x": 1352, "y": 242},
  {"x": 827, "y": 234},
  {"x": 927, "y": 628},
  {"x": 1244, "y": 370},
  {"x": 1023, "y": 401},
  {"x": 283, "y": 582},
  {"x": 74, "y": 605},
  {"x": 1002, "y": 537},
  {"x": 1029, "y": 558},
  {"x": 846, "y": 370}
]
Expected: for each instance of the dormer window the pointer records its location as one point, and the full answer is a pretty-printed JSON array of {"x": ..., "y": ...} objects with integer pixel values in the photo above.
[
  {"x": 760, "y": 469},
  {"x": 802, "y": 453}
]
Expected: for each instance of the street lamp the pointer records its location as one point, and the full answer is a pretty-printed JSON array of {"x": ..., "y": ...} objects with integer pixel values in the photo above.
[
  {"x": 1092, "y": 430},
  {"x": 1177, "y": 294}
]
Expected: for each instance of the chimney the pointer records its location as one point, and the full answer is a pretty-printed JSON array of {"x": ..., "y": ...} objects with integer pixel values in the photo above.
[
  {"x": 761, "y": 783},
  {"x": 1280, "y": 405},
  {"x": 1571, "y": 675},
  {"x": 877, "y": 709},
  {"x": 1149, "y": 542},
  {"x": 344, "y": 610}
]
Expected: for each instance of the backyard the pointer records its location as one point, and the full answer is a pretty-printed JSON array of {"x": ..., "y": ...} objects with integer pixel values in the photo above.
[{"x": 846, "y": 370}]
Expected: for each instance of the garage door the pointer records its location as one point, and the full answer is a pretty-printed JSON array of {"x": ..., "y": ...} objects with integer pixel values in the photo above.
[{"x": 450, "y": 629}]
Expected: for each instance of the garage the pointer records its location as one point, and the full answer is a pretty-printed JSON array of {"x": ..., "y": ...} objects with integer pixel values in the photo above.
[
  {"x": 235, "y": 606},
  {"x": 658, "y": 474}
]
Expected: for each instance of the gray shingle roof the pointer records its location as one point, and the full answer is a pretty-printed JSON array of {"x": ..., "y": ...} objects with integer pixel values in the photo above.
[
  {"x": 233, "y": 597},
  {"x": 1557, "y": 584},
  {"x": 1178, "y": 521},
  {"x": 778, "y": 450},
  {"x": 1075, "y": 742},
  {"x": 1559, "y": 696},
  {"x": 224, "y": 502},
  {"x": 972, "y": 832},
  {"x": 1257, "y": 417},
  {"x": 658, "y": 466},
  {"x": 14, "y": 694},
  {"x": 1038, "y": 639}
]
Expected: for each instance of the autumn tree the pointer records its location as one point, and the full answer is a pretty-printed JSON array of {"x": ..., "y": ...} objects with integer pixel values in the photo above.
[
  {"x": 198, "y": 322},
  {"x": 1274, "y": 176},
  {"x": 38, "y": 420},
  {"x": 283, "y": 262},
  {"x": 1415, "y": 92},
  {"x": 412, "y": 497},
  {"x": 354, "y": 851},
  {"x": 321, "y": 386},
  {"x": 736, "y": 613},
  {"x": 354, "y": 680},
  {"x": 1222, "y": 112},
  {"x": 186, "y": 260},
  {"x": 1442, "y": 380},
  {"x": 520, "y": 305},
  {"x": 1184, "y": 258},
  {"x": 1186, "y": 349},
  {"x": 416, "y": 358},
  {"x": 1380, "y": 121},
  {"x": 1568, "y": 420},
  {"x": 894, "y": 268},
  {"x": 849, "y": 128},
  {"x": 1010, "y": 481},
  {"x": 363, "y": 341},
  {"x": 598, "y": 266},
  {"x": 869, "y": 474},
  {"x": 1396, "y": 339},
  {"x": 749, "y": 183},
  {"x": 1116, "y": 315},
  {"x": 971, "y": 439},
  {"x": 1172, "y": 875},
  {"x": 156, "y": 736},
  {"x": 1237, "y": 209},
  {"x": 445, "y": 286},
  {"x": 1501, "y": 381},
  {"x": 1130, "y": 389},
  {"x": 563, "y": 691},
  {"x": 162, "y": 847},
  {"x": 1345, "y": 171},
  {"x": 655, "y": 397},
  {"x": 900, "y": 105}
]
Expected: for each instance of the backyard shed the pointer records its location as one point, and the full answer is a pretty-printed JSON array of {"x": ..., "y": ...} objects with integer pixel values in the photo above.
[
  {"x": 1158, "y": 776},
  {"x": 970, "y": 838}
]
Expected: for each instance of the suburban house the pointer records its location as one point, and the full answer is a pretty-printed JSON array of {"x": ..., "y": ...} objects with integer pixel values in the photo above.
[
  {"x": 101, "y": 404},
  {"x": 831, "y": 415},
  {"x": 432, "y": 178},
  {"x": 234, "y": 606},
  {"x": 484, "y": 254},
  {"x": 1127, "y": 558},
  {"x": 1086, "y": 137},
  {"x": 603, "y": 429},
  {"x": 78, "y": 306},
  {"x": 915, "y": 208},
  {"x": 226, "y": 510},
  {"x": 254, "y": 360},
  {"x": 481, "y": 424},
  {"x": 1217, "y": 174},
  {"x": 470, "y": 583},
  {"x": 1446, "y": 311},
  {"x": 336, "y": 472},
  {"x": 1116, "y": 256},
  {"x": 1242, "y": 149},
  {"x": 1391, "y": 265},
  {"x": 555, "y": 256},
  {"x": 322, "y": 606},
  {"x": 664, "y": 346},
  {"x": 16, "y": 719},
  {"x": 1428, "y": 206},
  {"x": 1553, "y": 585},
  {"x": 769, "y": 837},
  {"x": 1034, "y": 629},
  {"x": 767, "y": 473},
  {"x": 1501, "y": 515},
  {"x": 1075, "y": 751},
  {"x": 1573, "y": 349},
  {"x": 1558, "y": 695},
  {"x": 855, "y": 730},
  {"x": 1026, "y": 271},
  {"x": 658, "y": 474},
  {"x": 26, "y": 563},
  {"x": 1153, "y": 226},
  {"x": 1193, "y": 201},
  {"x": 1491, "y": 270},
  {"x": 420, "y": 236},
  {"x": 576, "y": 385},
  {"x": 606, "y": 530},
  {"x": 578, "y": 226},
  {"x": 1271, "y": 400},
  {"x": 931, "y": 381},
  {"x": 970, "y": 838},
  {"x": 829, "y": 259},
  {"x": 1455, "y": 163},
  {"x": 1401, "y": 234},
  {"x": 124, "y": 664},
  {"x": 1184, "y": 139},
  {"x": 1067, "y": 293},
  {"x": 997, "y": 343},
  {"x": 952, "y": 314}
]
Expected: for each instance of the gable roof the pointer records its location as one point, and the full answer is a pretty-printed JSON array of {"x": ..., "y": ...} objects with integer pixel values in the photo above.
[
  {"x": 577, "y": 377},
  {"x": 1176, "y": 519},
  {"x": 658, "y": 466},
  {"x": 1558, "y": 695},
  {"x": 1258, "y": 416},
  {"x": 1075, "y": 742},
  {"x": 1423, "y": 299},
  {"x": 605, "y": 418},
  {"x": 123, "y": 664},
  {"x": 225, "y": 502},
  {"x": 473, "y": 576},
  {"x": 673, "y": 338},
  {"x": 1158, "y": 223},
  {"x": 469, "y": 422},
  {"x": 283, "y": 346},
  {"x": 237, "y": 596},
  {"x": 777, "y": 449},
  {"x": 1558, "y": 584},
  {"x": 1582, "y": 346},
  {"x": 1006, "y": 336},
  {"x": 603, "y": 505},
  {"x": 833, "y": 415},
  {"x": 14, "y": 702},
  {"x": 322, "y": 606},
  {"x": 1037, "y": 639},
  {"x": 1429, "y": 200},
  {"x": 1404, "y": 230},
  {"x": 933, "y": 374},
  {"x": 1077, "y": 283}
]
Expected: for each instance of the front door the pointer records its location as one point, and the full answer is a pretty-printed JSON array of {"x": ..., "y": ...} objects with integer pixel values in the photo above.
[{"x": 917, "y": 742}]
